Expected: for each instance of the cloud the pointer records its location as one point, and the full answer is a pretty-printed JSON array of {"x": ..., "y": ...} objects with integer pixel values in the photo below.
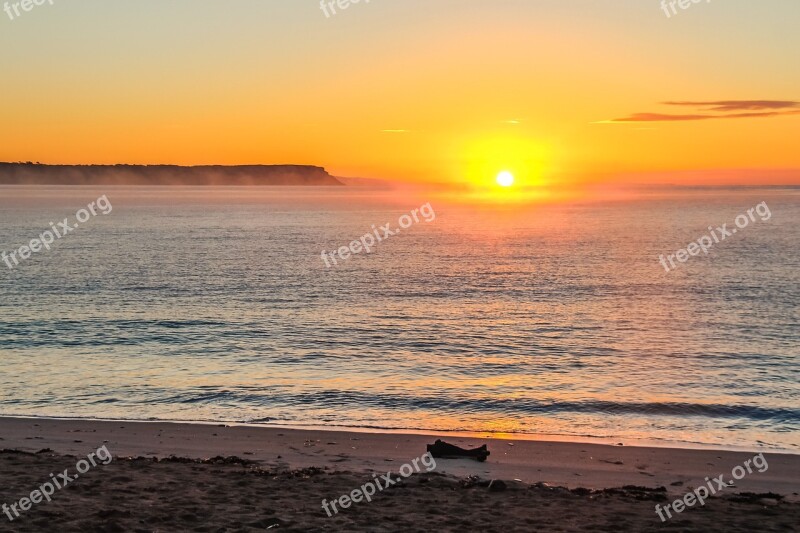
[
  {"x": 717, "y": 110},
  {"x": 740, "y": 105}
]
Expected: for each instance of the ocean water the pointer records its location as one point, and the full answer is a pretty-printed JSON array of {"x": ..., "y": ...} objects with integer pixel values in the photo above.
[{"x": 215, "y": 305}]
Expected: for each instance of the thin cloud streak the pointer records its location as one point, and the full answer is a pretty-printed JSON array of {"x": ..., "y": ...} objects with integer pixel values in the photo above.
[
  {"x": 659, "y": 117},
  {"x": 727, "y": 109},
  {"x": 725, "y": 106}
]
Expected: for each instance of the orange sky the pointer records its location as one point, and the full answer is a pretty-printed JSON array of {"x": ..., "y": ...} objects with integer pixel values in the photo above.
[{"x": 556, "y": 91}]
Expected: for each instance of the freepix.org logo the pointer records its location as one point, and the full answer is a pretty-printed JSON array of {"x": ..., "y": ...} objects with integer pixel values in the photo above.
[
  {"x": 102, "y": 206},
  {"x": 47, "y": 490},
  {"x": 329, "y": 6},
  {"x": 367, "y": 241},
  {"x": 12, "y": 9}
]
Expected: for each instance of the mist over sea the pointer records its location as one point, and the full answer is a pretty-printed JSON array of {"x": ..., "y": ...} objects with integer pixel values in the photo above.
[{"x": 213, "y": 304}]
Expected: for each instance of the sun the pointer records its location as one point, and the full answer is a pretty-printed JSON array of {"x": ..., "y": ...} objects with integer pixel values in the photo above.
[{"x": 505, "y": 179}]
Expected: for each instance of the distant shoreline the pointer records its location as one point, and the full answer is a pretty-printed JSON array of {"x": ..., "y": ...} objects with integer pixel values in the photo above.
[{"x": 201, "y": 175}]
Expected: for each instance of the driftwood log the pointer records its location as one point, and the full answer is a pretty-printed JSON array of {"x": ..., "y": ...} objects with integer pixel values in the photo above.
[{"x": 444, "y": 450}]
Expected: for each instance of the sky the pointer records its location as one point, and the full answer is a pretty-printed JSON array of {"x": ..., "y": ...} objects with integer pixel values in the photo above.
[{"x": 555, "y": 91}]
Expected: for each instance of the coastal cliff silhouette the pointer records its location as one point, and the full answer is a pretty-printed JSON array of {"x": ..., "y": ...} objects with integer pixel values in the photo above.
[{"x": 39, "y": 174}]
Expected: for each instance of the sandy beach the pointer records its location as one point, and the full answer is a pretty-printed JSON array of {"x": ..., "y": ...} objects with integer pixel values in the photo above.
[{"x": 195, "y": 477}]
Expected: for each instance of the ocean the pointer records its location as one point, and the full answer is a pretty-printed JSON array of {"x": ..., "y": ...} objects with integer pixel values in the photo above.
[{"x": 215, "y": 304}]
